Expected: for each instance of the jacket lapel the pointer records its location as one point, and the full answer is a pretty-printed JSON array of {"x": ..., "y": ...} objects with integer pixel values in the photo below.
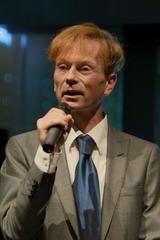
[
  {"x": 64, "y": 190},
  {"x": 115, "y": 174}
]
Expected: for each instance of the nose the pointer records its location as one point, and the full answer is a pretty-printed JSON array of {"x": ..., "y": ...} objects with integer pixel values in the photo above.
[
  {"x": 71, "y": 81},
  {"x": 71, "y": 77}
]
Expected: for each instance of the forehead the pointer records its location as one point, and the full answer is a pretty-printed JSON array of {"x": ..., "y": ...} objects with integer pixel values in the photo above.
[{"x": 84, "y": 48}]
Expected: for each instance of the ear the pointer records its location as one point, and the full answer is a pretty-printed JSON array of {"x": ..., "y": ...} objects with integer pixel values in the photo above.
[{"x": 110, "y": 83}]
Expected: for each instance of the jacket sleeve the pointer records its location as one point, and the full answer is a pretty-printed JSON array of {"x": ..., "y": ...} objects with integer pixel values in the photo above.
[
  {"x": 25, "y": 191},
  {"x": 150, "y": 227}
]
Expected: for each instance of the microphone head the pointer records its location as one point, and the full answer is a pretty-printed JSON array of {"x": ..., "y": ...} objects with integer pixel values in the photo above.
[{"x": 65, "y": 107}]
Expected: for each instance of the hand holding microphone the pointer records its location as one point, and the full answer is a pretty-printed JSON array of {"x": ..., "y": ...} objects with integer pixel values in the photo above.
[{"x": 53, "y": 125}]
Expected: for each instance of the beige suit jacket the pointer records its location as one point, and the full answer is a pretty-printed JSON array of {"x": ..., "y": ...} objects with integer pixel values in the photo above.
[{"x": 40, "y": 206}]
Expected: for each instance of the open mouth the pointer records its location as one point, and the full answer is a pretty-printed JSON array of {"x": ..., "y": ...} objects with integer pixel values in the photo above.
[{"x": 72, "y": 93}]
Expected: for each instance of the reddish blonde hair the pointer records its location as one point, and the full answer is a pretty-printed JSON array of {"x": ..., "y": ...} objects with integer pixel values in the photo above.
[{"x": 111, "y": 50}]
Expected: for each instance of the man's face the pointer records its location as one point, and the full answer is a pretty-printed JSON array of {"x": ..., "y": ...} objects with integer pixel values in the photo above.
[{"x": 79, "y": 77}]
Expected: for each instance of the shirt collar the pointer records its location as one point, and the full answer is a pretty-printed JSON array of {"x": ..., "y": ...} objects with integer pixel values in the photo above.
[{"x": 98, "y": 133}]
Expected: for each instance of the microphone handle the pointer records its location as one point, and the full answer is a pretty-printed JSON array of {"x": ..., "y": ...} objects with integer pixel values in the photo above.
[
  {"x": 55, "y": 132},
  {"x": 53, "y": 136}
]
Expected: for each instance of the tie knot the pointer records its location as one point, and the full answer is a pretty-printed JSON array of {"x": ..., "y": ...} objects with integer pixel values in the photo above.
[{"x": 86, "y": 144}]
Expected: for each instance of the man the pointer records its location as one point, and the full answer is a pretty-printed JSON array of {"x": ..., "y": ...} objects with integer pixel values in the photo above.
[{"x": 41, "y": 196}]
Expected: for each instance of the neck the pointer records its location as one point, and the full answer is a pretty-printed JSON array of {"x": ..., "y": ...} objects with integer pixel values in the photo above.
[{"x": 85, "y": 120}]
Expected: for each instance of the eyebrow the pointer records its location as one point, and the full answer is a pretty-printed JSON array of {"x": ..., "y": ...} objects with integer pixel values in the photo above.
[{"x": 87, "y": 62}]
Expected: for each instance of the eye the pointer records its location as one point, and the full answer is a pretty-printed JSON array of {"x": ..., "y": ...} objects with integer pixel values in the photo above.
[
  {"x": 85, "y": 69},
  {"x": 61, "y": 66}
]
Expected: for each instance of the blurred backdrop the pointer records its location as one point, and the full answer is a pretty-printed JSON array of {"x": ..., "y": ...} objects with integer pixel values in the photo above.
[{"x": 26, "y": 85}]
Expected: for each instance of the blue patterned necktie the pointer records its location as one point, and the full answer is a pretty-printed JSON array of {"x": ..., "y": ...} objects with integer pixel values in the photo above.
[{"x": 86, "y": 192}]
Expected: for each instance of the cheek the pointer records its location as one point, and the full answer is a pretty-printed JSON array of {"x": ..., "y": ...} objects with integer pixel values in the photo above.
[
  {"x": 97, "y": 85},
  {"x": 58, "y": 78},
  {"x": 55, "y": 85},
  {"x": 57, "y": 81}
]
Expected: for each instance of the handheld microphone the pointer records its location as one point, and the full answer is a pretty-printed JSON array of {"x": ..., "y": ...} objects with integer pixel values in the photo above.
[{"x": 55, "y": 133}]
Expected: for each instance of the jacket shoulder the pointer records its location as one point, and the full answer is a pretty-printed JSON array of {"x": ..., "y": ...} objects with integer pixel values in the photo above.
[
  {"x": 123, "y": 136},
  {"x": 27, "y": 142}
]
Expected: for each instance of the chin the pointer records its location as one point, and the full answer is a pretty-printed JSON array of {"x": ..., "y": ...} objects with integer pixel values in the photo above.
[{"x": 75, "y": 106}]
